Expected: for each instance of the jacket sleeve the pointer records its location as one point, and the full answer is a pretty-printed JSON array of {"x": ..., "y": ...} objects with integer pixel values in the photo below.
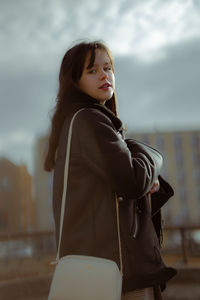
[
  {"x": 159, "y": 198},
  {"x": 130, "y": 170}
]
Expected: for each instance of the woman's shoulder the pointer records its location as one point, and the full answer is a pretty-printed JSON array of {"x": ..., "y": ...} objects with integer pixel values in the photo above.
[
  {"x": 96, "y": 115},
  {"x": 92, "y": 115}
]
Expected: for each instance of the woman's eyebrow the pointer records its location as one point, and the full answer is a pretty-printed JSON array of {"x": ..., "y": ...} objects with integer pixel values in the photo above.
[{"x": 95, "y": 65}]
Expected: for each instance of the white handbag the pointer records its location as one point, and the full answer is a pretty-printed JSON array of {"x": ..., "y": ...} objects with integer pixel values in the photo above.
[{"x": 80, "y": 277}]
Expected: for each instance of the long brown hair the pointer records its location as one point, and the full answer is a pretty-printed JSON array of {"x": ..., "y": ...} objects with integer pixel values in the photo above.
[{"x": 70, "y": 73}]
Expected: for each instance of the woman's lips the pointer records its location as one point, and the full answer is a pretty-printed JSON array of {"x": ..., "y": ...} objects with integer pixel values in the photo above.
[{"x": 105, "y": 86}]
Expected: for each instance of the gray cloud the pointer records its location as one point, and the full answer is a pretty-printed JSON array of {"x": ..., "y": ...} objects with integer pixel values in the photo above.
[{"x": 165, "y": 92}]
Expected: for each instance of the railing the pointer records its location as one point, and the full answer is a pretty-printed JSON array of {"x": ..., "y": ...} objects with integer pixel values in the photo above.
[
  {"x": 177, "y": 239},
  {"x": 29, "y": 244},
  {"x": 6, "y": 236},
  {"x": 189, "y": 240}
]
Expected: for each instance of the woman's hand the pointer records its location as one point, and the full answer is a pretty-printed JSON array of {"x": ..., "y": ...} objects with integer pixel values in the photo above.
[{"x": 155, "y": 188}]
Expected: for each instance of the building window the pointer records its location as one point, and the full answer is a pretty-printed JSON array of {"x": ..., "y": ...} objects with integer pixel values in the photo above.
[
  {"x": 145, "y": 139},
  {"x": 4, "y": 184},
  {"x": 180, "y": 176},
  {"x": 3, "y": 220},
  {"x": 195, "y": 140},
  {"x": 198, "y": 195},
  {"x": 195, "y": 144},
  {"x": 178, "y": 146},
  {"x": 196, "y": 174},
  {"x": 160, "y": 142},
  {"x": 178, "y": 141}
]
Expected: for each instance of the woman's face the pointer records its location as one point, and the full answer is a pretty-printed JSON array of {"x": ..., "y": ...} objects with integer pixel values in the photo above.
[{"x": 99, "y": 80}]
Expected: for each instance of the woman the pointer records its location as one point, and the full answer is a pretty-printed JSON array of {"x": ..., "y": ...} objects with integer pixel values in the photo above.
[{"x": 103, "y": 164}]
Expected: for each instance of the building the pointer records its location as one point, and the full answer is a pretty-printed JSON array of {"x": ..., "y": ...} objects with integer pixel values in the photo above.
[
  {"x": 42, "y": 188},
  {"x": 17, "y": 211},
  {"x": 181, "y": 151}
]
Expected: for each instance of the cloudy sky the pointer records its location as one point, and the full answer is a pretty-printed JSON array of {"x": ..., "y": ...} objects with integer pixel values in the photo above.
[{"x": 156, "y": 48}]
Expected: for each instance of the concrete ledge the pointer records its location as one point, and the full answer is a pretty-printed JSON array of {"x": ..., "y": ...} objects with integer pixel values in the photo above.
[
  {"x": 182, "y": 291},
  {"x": 187, "y": 275},
  {"x": 184, "y": 286},
  {"x": 26, "y": 288}
]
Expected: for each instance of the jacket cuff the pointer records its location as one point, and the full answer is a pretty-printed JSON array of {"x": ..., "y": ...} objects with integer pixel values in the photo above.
[{"x": 159, "y": 198}]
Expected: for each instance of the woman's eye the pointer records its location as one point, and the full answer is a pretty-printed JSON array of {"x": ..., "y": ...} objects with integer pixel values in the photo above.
[
  {"x": 92, "y": 71},
  {"x": 108, "y": 69}
]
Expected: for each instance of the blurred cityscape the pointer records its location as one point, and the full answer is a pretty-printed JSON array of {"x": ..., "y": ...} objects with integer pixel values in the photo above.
[{"x": 27, "y": 243}]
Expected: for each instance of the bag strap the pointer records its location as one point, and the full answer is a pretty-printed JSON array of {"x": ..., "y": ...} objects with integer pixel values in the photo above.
[
  {"x": 66, "y": 169},
  {"x": 119, "y": 237}
]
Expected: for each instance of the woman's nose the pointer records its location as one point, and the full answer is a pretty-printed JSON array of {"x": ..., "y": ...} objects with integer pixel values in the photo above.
[{"x": 103, "y": 75}]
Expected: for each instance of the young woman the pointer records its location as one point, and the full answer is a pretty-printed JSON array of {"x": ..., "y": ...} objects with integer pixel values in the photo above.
[{"x": 104, "y": 164}]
